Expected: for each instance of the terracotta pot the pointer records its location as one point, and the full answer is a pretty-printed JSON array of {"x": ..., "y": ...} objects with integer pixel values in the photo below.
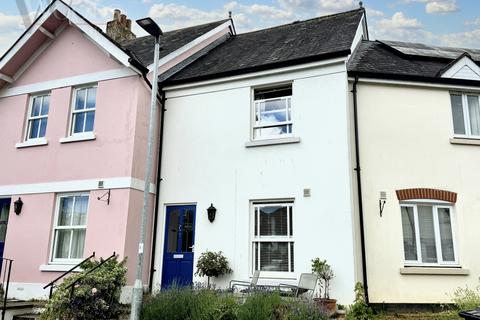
[{"x": 329, "y": 306}]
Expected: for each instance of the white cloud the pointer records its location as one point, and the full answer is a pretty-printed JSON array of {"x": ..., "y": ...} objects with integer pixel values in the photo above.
[
  {"x": 399, "y": 21},
  {"x": 442, "y": 7},
  {"x": 437, "y": 6},
  {"x": 475, "y": 22}
]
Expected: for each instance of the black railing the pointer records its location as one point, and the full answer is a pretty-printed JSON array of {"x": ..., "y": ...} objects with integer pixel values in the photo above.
[
  {"x": 52, "y": 284},
  {"x": 5, "y": 270},
  {"x": 71, "y": 286}
]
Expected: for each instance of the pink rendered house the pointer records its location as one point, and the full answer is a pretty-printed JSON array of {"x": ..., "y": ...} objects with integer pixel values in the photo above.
[{"x": 74, "y": 109}]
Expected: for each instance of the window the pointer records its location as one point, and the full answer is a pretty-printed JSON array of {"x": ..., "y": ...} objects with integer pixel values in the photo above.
[
  {"x": 466, "y": 114},
  {"x": 428, "y": 237},
  {"x": 272, "y": 245},
  {"x": 272, "y": 112},
  {"x": 69, "y": 228},
  {"x": 83, "y": 112},
  {"x": 38, "y": 117}
]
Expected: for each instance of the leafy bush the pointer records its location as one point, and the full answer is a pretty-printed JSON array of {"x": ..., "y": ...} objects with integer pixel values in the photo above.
[
  {"x": 186, "y": 304},
  {"x": 466, "y": 298},
  {"x": 324, "y": 273},
  {"x": 97, "y": 296},
  {"x": 212, "y": 264},
  {"x": 360, "y": 309},
  {"x": 183, "y": 304}
]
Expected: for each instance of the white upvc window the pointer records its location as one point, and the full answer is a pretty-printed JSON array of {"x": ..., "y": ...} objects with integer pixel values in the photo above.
[
  {"x": 69, "y": 228},
  {"x": 37, "y": 117},
  {"x": 428, "y": 234},
  {"x": 272, "y": 237},
  {"x": 466, "y": 114},
  {"x": 83, "y": 110},
  {"x": 272, "y": 112}
]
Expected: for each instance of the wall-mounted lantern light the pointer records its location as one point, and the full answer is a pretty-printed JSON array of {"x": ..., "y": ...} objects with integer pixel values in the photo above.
[
  {"x": 212, "y": 211},
  {"x": 382, "y": 201},
  {"x": 17, "y": 206}
]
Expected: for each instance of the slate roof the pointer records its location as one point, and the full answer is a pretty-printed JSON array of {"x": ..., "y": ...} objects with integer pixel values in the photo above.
[
  {"x": 142, "y": 48},
  {"x": 298, "y": 42},
  {"x": 406, "y": 61}
]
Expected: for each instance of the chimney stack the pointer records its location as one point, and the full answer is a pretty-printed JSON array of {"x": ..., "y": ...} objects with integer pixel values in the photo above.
[{"x": 120, "y": 28}]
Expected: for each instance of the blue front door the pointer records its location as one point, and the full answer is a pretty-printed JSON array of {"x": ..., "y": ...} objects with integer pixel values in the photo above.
[
  {"x": 179, "y": 244},
  {"x": 4, "y": 211}
]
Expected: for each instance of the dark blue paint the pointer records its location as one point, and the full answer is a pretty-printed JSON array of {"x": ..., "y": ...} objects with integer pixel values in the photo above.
[{"x": 178, "y": 263}]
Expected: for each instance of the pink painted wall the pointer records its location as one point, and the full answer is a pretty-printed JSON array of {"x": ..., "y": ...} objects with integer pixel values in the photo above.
[
  {"x": 29, "y": 235},
  {"x": 71, "y": 54}
]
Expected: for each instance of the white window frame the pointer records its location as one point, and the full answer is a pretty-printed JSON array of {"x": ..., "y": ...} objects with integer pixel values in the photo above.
[
  {"x": 30, "y": 118},
  {"x": 55, "y": 227},
  {"x": 73, "y": 111},
  {"x": 466, "y": 115},
  {"x": 255, "y": 112},
  {"x": 435, "y": 206},
  {"x": 258, "y": 238}
]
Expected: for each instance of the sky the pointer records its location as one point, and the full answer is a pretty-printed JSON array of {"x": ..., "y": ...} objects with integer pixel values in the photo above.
[{"x": 439, "y": 22}]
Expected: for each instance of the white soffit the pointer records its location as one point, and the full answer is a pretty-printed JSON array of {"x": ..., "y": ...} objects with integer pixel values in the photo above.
[{"x": 464, "y": 69}]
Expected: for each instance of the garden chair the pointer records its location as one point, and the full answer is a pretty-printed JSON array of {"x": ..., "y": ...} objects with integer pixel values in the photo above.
[
  {"x": 248, "y": 286},
  {"x": 307, "y": 282}
]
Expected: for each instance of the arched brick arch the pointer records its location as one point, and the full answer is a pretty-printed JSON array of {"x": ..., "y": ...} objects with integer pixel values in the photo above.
[{"x": 425, "y": 193}]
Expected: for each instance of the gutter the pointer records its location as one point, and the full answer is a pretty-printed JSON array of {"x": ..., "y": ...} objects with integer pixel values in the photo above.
[{"x": 359, "y": 189}]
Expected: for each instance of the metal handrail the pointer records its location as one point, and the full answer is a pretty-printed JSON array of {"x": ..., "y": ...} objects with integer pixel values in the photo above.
[
  {"x": 4, "y": 267},
  {"x": 72, "y": 285},
  {"x": 52, "y": 283}
]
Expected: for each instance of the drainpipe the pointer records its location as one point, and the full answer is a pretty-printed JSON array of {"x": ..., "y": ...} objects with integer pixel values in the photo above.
[
  {"x": 359, "y": 188},
  {"x": 157, "y": 193}
]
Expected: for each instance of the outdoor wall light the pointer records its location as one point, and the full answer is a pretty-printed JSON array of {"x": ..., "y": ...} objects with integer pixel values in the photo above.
[
  {"x": 212, "y": 211},
  {"x": 382, "y": 201},
  {"x": 17, "y": 206}
]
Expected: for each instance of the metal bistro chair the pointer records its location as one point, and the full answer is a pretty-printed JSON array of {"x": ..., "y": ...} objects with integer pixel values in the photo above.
[
  {"x": 306, "y": 282},
  {"x": 248, "y": 286}
]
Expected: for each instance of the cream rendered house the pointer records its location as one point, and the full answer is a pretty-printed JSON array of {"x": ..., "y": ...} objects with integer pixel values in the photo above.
[{"x": 419, "y": 150}]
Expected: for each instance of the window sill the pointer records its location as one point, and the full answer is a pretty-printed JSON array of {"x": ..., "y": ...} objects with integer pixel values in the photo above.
[
  {"x": 465, "y": 141},
  {"x": 447, "y": 271},
  {"x": 58, "y": 268},
  {"x": 79, "y": 137},
  {"x": 270, "y": 142},
  {"x": 32, "y": 143}
]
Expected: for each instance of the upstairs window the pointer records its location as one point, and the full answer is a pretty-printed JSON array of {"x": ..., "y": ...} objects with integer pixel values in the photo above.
[
  {"x": 428, "y": 237},
  {"x": 83, "y": 111},
  {"x": 272, "y": 237},
  {"x": 38, "y": 116},
  {"x": 466, "y": 115},
  {"x": 272, "y": 112}
]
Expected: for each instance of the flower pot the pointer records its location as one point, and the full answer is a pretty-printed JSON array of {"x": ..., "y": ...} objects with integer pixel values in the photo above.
[{"x": 329, "y": 306}]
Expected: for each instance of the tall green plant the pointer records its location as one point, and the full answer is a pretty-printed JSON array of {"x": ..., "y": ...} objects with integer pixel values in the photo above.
[
  {"x": 96, "y": 296},
  {"x": 212, "y": 264},
  {"x": 467, "y": 298},
  {"x": 360, "y": 309},
  {"x": 325, "y": 274}
]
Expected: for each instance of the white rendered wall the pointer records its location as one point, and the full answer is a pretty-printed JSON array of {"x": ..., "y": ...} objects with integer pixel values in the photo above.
[
  {"x": 205, "y": 161},
  {"x": 405, "y": 143}
]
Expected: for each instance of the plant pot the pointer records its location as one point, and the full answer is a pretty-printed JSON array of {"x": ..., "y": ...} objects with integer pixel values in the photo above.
[{"x": 329, "y": 306}]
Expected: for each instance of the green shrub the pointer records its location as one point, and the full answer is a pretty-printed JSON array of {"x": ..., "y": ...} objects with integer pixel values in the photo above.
[
  {"x": 204, "y": 304},
  {"x": 97, "y": 296},
  {"x": 359, "y": 310},
  {"x": 467, "y": 298},
  {"x": 212, "y": 264},
  {"x": 185, "y": 304}
]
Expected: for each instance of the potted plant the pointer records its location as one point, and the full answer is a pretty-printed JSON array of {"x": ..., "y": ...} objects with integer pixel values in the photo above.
[
  {"x": 325, "y": 274},
  {"x": 212, "y": 264}
]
